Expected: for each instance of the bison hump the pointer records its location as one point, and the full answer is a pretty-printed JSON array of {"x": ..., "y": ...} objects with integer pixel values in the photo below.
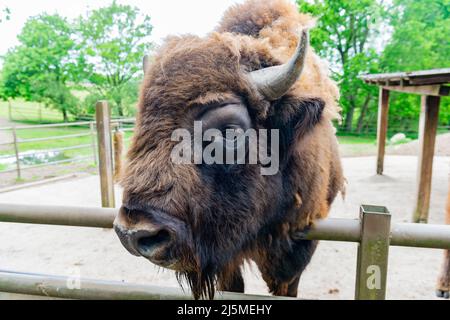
[{"x": 252, "y": 16}]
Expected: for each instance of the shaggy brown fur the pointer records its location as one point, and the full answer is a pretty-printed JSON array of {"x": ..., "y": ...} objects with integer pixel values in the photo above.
[
  {"x": 235, "y": 215},
  {"x": 443, "y": 286}
]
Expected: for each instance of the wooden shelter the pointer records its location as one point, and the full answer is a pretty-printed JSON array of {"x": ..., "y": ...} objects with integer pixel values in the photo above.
[{"x": 431, "y": 84}]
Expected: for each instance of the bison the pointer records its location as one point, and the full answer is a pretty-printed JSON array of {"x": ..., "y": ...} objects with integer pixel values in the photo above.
[{"x": 256, "y": 70}]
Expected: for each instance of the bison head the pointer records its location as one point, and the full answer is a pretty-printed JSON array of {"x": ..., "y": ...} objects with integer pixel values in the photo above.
[{"x": 200, "y": 219}]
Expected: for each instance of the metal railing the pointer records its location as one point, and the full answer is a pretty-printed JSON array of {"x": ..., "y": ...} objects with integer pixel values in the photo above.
[
  {"x": 87, "y": 289},
  {"x": 91, "y": 131},
  {"x": 373, "y": 232}
]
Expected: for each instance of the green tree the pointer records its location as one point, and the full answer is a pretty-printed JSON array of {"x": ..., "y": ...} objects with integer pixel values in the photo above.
[
  {"x": 5, "y": 14},
  {"x": 114, "y": 39},
  {"x": 419, "y": 42},
  {"x": 128, "y": 95},
  {"x": 41, "y": 67},
  {"x": 421, "y": 36},
  {"x": 345, "y": 36}
]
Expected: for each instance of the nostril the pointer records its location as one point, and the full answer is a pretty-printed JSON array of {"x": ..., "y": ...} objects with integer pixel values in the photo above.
[{"x": 147, "y": 244}]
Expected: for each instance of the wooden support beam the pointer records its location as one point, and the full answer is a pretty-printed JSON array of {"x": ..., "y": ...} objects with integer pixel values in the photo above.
[
  {"x": 383, "y": 110},
  {"x": 118, "y": 151},
  {"x": 103, "y": 118},
  {"x": 432, "y": 90},
  {"x": 429, "y": 116}
]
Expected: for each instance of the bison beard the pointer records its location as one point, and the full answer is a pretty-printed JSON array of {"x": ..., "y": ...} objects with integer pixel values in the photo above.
[{"x": 202, "y": 220}]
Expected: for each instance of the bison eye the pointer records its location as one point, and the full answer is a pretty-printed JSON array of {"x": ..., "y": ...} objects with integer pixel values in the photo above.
[
  {"x": 226, "y": 117},
  {"x": 225, "y": 127}
]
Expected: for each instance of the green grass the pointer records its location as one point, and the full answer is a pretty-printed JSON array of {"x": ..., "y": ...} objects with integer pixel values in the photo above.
[
  {"x": 356, "y": 140},
  {"x": 28, "y": 112},
  {"x": 356, "y": 145},
  {"x": 54, "y": 143}
]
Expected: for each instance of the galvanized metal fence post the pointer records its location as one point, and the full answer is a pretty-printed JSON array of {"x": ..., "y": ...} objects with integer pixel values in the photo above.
[
  {"x": 103, "y": 117},
  {"x": 373, "y": 253},
  {"x": 94, "y": 147},
  {"x": 16, "y": 152}
]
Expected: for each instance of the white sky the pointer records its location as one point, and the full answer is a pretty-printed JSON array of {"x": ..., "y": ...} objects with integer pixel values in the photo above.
[{"x": 167, "y": 16}]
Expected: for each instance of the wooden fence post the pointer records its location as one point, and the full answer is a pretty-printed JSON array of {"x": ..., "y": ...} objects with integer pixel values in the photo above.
[
  {"x": 372, "y": 263},
  {"x": 16, "y": 151},
  {"x": 383, "y": 111},
  {"x": 429, "y": 119},
  {"x": 118, "y": 151},
  {"x": 103, "y": 117},
  {"x": 94, "y": 146}
]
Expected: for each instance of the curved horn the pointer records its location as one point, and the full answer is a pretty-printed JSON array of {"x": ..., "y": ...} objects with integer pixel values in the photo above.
[{"x": 274, "y": 82}]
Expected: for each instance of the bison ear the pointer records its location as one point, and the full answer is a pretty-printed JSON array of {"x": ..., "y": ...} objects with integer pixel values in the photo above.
[
  {"x": 295, "y": 117},
  {"x": 307, "y": 115}
]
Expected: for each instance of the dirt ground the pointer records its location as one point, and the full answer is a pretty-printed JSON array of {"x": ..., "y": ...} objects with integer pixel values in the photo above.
[
  {"x": 9, "y": 179},
  {"x": 97, "y": 253},
  {"x": 442, "y": 147}
]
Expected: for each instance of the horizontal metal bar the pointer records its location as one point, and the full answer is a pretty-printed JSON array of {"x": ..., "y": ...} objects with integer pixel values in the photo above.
[
  {"x": 113, "y": 120},
  {"x": 66, "y": 124},
  {"x": 87, "y": 289},
  {"x": 18, "y": 113},
  {"x": 420, "y": 235},
  {"x": 348, "y": 230},
  {"x": 31, "y": 110},
  {"x": 58, "y": 215},
  {"x": 402, "y": 234},
  {"x": 52, "y": 125},
  {"x": 77, "y": 135}
]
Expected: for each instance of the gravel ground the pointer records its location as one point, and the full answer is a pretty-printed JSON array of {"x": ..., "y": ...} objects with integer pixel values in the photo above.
[{"x": 97, "y": 253}]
